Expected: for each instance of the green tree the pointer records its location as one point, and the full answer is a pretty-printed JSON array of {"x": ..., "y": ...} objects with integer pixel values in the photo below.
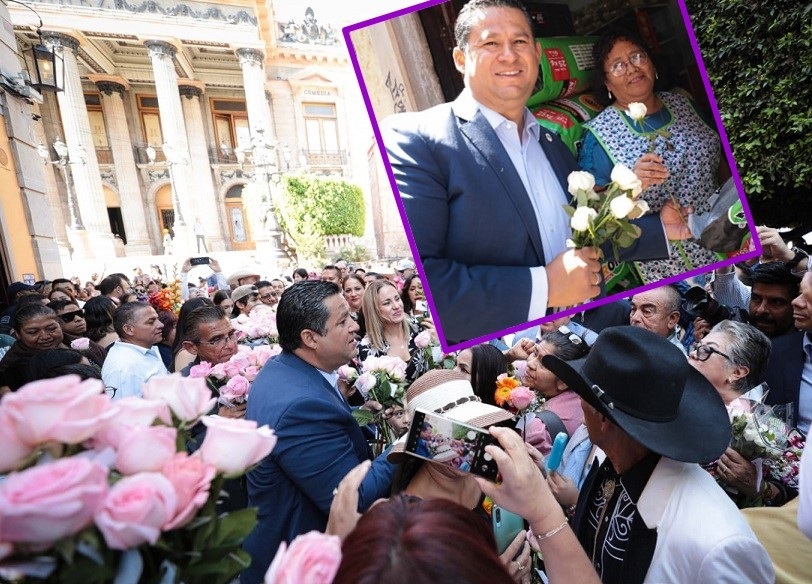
[
  {"x": 314, "y": 207},
  {"x": 758, "y": 55}
]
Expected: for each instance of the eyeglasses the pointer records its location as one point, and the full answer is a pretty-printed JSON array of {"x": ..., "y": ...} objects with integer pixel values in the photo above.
[
  {"x": 111, "y": 391},
  {"x": 223, "y": 340},
  {"x": 71, "y": 316},
  {"x": 703, "y": 352},
  {"x": 268, "y": 296},
  {"x": 637, "y": 59}
]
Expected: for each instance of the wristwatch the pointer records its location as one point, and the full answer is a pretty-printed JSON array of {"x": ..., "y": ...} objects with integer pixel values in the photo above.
[{"x": 796, "y": 259}]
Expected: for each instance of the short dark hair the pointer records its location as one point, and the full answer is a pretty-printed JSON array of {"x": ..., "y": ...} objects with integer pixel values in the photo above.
[
  {"x": 375, "y": 275},
  {"x": 33, "y": 298},
  {"x": 185, "y": 309},
  {"x": 99, "y": 314},
  {"x": 28, "y": 311},
  {"x": 470, "y": 16},
  {"x": 126, "y": 314},
  {"x": 404, "y": 293},
  {"x": 303, "y": 307},
  {"x": 333, "y": 267},
  {"x": 109, "y": 283},
  {"x": 57, "y": 305},
  {"x": 776, "y": 273},
  {"x": 301, "y": 272},
  {"x": 262, "y": 284},
  {"x": 56, "y": 282},
  {"x": 199, "y": 316}
]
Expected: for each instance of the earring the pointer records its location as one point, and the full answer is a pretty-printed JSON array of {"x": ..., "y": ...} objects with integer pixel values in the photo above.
[
  {"x": 610, "y": 94},
  {"x": 656, "y": 75},
  {"x": 727, "y": 381}
]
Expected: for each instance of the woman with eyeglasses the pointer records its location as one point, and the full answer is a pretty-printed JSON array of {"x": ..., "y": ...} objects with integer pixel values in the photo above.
[
  {"x": 733, "y": 356},
  {"x": 685, "y": 166}
]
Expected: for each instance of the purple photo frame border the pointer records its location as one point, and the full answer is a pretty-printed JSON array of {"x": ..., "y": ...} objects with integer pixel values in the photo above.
[{"x": 348, "y": 30}]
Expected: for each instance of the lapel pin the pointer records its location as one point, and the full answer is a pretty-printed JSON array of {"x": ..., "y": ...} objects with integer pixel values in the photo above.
[{"x": 549, "y": 138}]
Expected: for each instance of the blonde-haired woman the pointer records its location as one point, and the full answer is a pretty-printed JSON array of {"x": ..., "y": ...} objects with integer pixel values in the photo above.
[{"x": 390, "y": 330}]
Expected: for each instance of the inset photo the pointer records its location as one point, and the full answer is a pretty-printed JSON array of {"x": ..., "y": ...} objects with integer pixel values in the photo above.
[{"x": 546, "y": 158}]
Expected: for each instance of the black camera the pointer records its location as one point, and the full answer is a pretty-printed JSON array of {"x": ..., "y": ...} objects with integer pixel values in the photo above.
[{"x": 698, "y": 303}]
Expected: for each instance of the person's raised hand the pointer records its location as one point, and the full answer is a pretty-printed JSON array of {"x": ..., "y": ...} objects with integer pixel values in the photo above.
[
  {"x": 773, "y": 246},
  {"x": 521, "y": 350},
  {"x": 344, "y": 508},
  {"x": 563, "y": 488},
  {"x": 650, "y": 169},
  {"x": 701, "y": 328},
  {"x": 187, "y": 265},
  {"x": 573, "y": 277},
  {"x": 214, "y": 265}
]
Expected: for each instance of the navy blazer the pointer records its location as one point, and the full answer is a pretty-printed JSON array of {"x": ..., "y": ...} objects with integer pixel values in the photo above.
[
  {"x": 471, "y": 217},
  {"x": 318, "y": 443},
  {"x": 784, "y": 369}
]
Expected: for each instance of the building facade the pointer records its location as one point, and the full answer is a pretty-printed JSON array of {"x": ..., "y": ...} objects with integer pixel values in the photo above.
[{"x": 169, "y": 110}]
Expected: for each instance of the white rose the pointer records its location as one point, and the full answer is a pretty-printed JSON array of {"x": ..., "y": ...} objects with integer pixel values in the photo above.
[
  {"x": 620, "y": 206},
  {"x": 642, "y": 206},
  {"x": 637, "y": 111},
  {"x": 580, "y": 181},
  {"x": 626, "y": 180},
  {"x": 580, "y": 220}
]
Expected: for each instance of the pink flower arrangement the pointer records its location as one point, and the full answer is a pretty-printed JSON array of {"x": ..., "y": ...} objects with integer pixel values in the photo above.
[
  {"x": 232, "y": 380},
  {"x": 80, "y": 344},
  {"x": 312, "y": 557},
  {"x": 521, "y": 397},
  {"x": 382, "y": 380},
  {"x": 260, "y": 324},
  {"x": 111, "y": 475}
]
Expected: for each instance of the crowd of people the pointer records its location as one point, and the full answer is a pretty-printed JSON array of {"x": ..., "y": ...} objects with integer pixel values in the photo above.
[{"x": 684, "y": 407}]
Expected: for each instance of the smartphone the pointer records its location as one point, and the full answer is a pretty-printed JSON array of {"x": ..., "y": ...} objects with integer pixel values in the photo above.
[
  {"x": 506, "y": 526},
  {"x": 420, "y": 306},
  {"x": 462, "y": 447},
  {"x": 199, "y": 261}
]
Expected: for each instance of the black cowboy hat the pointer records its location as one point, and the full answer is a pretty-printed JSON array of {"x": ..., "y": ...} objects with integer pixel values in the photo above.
[{"x": 644, "y": 385}]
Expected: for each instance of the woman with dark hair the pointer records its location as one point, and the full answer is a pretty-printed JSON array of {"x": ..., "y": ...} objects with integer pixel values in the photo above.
[
  {"x": 100, "y": 312},
  {"x": 37, "y": 329},
  {"x": 222, "y": 298},
  {"x": 353, "y": 290},
  {"x": 74, "y": 327},
  {"x": 299, "y": 275},
  {"x": 482, "y": 364},
  {"x": 685, "y": 165},
  {"x": 414, "y": 300},
  {"x": 407, "y": 540},
  {"x": 180, "y": 356}
]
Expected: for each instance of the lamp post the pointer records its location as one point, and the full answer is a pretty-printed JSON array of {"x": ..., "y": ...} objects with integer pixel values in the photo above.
[
  {"x": 263, "y": 159},
  {"x": 62, "y": 162},
  {"x": 173, "y": 157}
]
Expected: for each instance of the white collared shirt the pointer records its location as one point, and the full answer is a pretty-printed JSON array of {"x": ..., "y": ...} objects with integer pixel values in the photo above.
[
  {"x": 545, "y": 192},
  {"x": 127, "y": 367}
]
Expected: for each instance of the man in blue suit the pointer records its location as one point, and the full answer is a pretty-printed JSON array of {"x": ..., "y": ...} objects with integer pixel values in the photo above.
[
  {"x": 318, "y": 440},
  {"x": 483, "y": 187}
]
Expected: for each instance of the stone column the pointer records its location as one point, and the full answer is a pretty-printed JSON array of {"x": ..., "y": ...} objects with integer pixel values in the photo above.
[
  {"x": 253, "y": 75},
  {"x": 205, "y": 200},
  {"x": 129, "y": 189},
  {"x": 174, "y": 134},
  {"x": 96, "y": 240}
]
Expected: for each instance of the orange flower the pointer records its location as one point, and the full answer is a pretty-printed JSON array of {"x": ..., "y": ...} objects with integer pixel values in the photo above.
[{"x": 504, "y": 385}]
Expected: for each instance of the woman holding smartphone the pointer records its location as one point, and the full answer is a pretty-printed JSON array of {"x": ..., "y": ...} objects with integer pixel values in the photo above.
[{"x": 414, "y": 300}]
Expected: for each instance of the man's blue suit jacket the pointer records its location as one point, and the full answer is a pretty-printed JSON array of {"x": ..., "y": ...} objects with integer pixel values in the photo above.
[
  {"x": 471, "y": 217},
  {"x": 784, "y": 369},
  {"x": 318, "y": 443}
]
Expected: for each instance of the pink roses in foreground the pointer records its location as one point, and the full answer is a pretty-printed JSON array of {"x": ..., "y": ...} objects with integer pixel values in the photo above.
[
  {"x": 232, "y": 445},
  {"x": 313, "y": 558}
]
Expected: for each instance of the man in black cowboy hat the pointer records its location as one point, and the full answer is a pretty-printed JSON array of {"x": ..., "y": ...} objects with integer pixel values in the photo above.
[{"x": 650, "y": 512}]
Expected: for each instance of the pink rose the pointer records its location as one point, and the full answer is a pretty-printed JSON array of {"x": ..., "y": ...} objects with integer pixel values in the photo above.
[
  {"x": 347, "y": 373},
  {"x": 251, "y": 372},
  {"x": 129, "y": 412},
  {"x": 520, "y": 367},
  {"x": 202, "y": 369},
  {"x": 218, "y": 371},
  {"x": 261, "y": 354},
  {"x": 396, "y": 368},
  {"x": 50, "y": 501},
  {"x": 187, "y": 398},
  {"x": 80, "y": 344},
  {"x": 521, "y": 397},
  {"x": 233, "y": 445},
  {"x": 191, "y": 478},
  {"x": 13, "y": 450},
  {"x": 365, "y": 383},
  {"x": 146, "y": 449},
  {"x": 64, "y": 409},
  {"x": 231, "y": 369},
  {"x": 422, "y": 340},
  {"x": 313, "y": 557},
  {"x": 372, "y": 364},
  {"x": 135, "y": 509},
  {"x": 236, "y": 390},
  {"x": 240, "y": 361}
]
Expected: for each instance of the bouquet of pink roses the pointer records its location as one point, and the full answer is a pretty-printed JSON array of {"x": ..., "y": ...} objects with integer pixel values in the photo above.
[
  {"x": 431, "y": 355},
  {"x": 101, "y": 490},
  {"x": 258, "y": 327},
  {"x": 232, "y": 380},
  {"x": 382, "y": 379}
]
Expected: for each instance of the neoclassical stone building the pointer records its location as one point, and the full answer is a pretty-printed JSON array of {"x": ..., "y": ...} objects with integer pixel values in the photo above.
[{"x": 204, "y": 97}]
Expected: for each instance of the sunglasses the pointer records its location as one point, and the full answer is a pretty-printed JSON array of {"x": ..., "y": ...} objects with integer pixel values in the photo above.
[{"x": 70, "y": 316}]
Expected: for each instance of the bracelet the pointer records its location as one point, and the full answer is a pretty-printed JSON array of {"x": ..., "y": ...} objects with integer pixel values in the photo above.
[{"x": 541, "y": 537}]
